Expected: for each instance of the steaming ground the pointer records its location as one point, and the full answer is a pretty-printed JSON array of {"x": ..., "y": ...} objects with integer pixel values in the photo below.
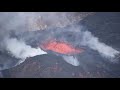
[
  {"x": 94, "y": 62},
  {"x": 22, "y": 51}
]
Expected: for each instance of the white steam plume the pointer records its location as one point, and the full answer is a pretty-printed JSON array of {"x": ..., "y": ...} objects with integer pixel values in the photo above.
[
  {"x": 94, "y": 43},
  {"x": 71, "y": 60},
  {"x": 20, "y": 50},
  {"x": 40, "y": 20}
]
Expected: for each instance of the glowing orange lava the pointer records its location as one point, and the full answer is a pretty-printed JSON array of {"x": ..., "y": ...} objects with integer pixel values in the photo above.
[{"x": 61, "y": 47}]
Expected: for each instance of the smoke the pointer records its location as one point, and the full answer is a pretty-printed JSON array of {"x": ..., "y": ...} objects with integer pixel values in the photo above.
[
  {"x": 83, "y": 37},
  {"x": 20, "y": 22},
  {"x": 79, "y": 35},
  {"x": 20, "y": 50},
  {"x": 71, "y": 60},
  {"x": 42, "y": 20},
  {"x": 31, "y": 21},
  {"x": 94, "y": 43}
]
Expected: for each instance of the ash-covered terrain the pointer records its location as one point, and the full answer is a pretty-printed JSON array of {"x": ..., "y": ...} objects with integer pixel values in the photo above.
[{"x": 97, "y": 34}]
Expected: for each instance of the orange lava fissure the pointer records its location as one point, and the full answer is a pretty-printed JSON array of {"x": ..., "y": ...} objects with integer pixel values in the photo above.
[{"x": 61, "y": 47}]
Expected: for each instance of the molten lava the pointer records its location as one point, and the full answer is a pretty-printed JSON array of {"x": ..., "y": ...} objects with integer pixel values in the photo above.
[{"x": 61, "y": 47}]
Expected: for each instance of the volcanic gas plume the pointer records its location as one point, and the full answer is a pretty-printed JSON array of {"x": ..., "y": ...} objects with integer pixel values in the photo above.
[{"x": 21, "y": 50}]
